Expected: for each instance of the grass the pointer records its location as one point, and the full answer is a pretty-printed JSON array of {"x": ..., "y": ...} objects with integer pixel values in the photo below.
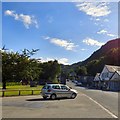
[{"x": 25, "y": 90}]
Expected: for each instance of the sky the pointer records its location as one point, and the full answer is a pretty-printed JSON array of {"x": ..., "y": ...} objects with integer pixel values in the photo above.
[{"x": 67, "y": 31}]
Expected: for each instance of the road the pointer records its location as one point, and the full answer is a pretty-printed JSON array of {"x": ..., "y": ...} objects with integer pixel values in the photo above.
[
  {"x": 107, "y": 99},
  {"x": 88, "y": 104}
]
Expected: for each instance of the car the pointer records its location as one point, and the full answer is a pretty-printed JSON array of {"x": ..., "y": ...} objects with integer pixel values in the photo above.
[
  {"x": 75, "y": 81},
  {"x": 53, "y": 91},
  {"x": 79, "y": 84}
]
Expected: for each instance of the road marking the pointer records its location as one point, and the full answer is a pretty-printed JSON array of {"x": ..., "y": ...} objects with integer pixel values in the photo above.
[{"x": 102, "y": 107}]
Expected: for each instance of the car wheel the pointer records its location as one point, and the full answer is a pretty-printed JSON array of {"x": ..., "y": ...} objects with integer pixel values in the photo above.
[
  {"x": 73, "y": 95},
  {"x": 53, "y": 97}
]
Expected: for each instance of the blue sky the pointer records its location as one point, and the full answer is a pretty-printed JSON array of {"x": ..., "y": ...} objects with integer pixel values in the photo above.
[{"x": 69, "y": 32}]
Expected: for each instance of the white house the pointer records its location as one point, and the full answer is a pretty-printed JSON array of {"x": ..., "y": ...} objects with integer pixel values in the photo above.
[
  {"x": 114, "y": 83},
  {"x": 97, "y": 77},
  {"x": 97, "y": 80},
  {"x": 107, "y": 75},
  {"x": 107, "y": 72}
]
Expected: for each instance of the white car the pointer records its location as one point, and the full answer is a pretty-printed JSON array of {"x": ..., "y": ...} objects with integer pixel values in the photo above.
[{"x": 54, "y": 91}]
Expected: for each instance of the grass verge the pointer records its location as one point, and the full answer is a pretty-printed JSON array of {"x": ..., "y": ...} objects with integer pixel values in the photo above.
[{"x": 21, "y": 90}]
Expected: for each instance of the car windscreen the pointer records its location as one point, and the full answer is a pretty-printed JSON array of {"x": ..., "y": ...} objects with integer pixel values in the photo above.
[
  {"x": 46, "y": 87},
  {"x": 64, "y": 87}
]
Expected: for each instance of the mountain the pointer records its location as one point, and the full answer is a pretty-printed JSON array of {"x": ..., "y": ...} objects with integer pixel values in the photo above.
[
  {"x": 111, "y": 46},
  {"x": 107, "y": 54}
]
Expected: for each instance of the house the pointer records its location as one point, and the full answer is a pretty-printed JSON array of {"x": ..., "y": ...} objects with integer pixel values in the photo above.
[
  {"x": 72, "y": 74},
  {"x": 114, "y": 83},
  {"x": 106, "y": 77},
  {"x": 96, "y": 81},
  {"x": 86, "y": 81}
]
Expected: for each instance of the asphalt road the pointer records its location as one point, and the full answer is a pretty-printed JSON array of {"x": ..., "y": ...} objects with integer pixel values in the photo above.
[
  {"x": 88, "y": 104},
  {"x": 107, "y": 99}
]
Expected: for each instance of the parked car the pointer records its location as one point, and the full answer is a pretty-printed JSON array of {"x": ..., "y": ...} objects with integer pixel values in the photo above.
[
  {"x": 54, "y": 91},
  {"x": 78, "y": 83},
  {"x": 75, "y": 81}
]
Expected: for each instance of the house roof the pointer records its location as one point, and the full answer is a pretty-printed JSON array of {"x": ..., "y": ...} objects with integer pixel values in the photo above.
[
  {"x": 112, "y": 68},
  {"x": 118, "y": 72},
  {"x": 97, "y": 74}
]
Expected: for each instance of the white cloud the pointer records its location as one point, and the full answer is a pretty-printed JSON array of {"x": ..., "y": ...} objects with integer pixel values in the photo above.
[
  {"x": 26, "y": 19},
  {"x": 106, "y": 20},
  {"x": 111, "y": 35},
  {"x": 83, "y": 49},
  {"x": 97, "y": 19},
  {"x": 102, "y": 32},
  {"x": 92, "y": 42},
  {"x": 63, "y": 61},
  {"x": 94, "y": 9},
  {"x": 62, "y": 43},
  {"x": 9, "y": 12},
  {"x": 60, "y": 60},
  {"x": 46, "y": 37},
  {"x": 105, "y": 32}
]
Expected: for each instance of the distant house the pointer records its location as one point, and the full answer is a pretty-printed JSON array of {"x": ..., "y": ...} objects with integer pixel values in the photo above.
[
  {"x": 72, "y": 74},
  {"x": 114, "y": 83},
  {"x": 96, "y": 81},
  {"x": 107, "y": 76},
  {"x": 86, "y": 80}
]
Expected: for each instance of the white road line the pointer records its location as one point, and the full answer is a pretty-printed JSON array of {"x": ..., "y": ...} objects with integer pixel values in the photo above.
[{"x": 102, "y": 107}]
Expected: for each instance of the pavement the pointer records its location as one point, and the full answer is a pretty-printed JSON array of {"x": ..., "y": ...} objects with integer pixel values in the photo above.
[{"x": 87, "y": 104}]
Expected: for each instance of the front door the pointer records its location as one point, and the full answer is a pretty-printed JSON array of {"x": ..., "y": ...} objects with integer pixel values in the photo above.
[{"x": 65, "y": 92}]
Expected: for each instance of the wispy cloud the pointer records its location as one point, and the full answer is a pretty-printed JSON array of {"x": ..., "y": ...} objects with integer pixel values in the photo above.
[
  {"x": 105, "y": 32},
  {"x": 26, "y": 19},
  {"x": 62, "y": 43},
  {"x": 102, "y": 32},
  {"x": 106, "y": 20},
  {"x": 94, "y": 9},
  {"x": 92, "y": 42},
  {"x": 60, "y": 60},
  {"x": 63, "y": 61},
  {"x": 97, "y": 19},
  {"x": 111, "y": 35},
  {"x": 83, "y": 49}
]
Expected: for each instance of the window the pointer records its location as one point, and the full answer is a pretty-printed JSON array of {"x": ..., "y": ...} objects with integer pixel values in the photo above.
[
  {"x": 56, "y": 87},
  {"x": 64, "y": 88},
  {"x": 46, "y": 87},
  {"x": 105, "y": 75}
]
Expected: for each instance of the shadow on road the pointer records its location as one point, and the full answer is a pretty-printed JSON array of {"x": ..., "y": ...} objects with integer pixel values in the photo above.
[{"x": 41, "y": 99}]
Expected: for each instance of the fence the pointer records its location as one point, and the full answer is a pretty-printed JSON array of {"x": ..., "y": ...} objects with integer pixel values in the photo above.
[{"x": 5, "y": 93}]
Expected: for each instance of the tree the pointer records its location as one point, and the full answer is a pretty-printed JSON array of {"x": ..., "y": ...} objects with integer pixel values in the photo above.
[
  {"x": 50, "y": 71},
  {"x": 8, "y": 66},
  {"x": 81, "y": 71},
  {"x": 16, "y": 66}
]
